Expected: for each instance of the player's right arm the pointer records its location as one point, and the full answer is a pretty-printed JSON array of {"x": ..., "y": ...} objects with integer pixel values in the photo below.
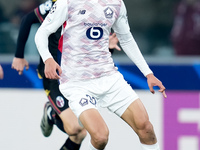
[
  {"x": 56, "y": 17},
  {"x": 18, "y": 61}
]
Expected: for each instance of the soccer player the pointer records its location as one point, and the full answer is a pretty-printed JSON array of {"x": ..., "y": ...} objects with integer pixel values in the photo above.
[
  {"x": 51, "y": 86},
  {"x": 1, "y": 72},
  {"x": 88, "y": 77},
  {"x": 75, "y": 132}
]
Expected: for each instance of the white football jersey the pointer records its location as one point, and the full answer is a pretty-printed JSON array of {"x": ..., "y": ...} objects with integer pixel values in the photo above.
[{"x": 85, "y": 52}]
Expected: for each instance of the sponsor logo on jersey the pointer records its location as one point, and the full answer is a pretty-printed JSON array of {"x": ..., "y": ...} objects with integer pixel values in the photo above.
[
  {"x": 95, "y": 24},
  {"x": 60, "y": 101},
  {"x": 94, "y": 33},
  {"x": 82, "y": 12},
  {"x": 108, "y": 12}
]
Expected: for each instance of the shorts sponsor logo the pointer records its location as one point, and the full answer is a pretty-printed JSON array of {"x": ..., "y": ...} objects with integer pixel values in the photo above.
[{"x": 60, "y": 101}]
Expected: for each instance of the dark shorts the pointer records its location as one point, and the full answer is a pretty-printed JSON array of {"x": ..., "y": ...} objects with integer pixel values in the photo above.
[{"x": 51, "y": 87}]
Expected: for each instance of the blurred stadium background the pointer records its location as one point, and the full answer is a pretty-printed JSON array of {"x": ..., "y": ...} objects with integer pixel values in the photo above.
[{"x": 176, "y": 118}]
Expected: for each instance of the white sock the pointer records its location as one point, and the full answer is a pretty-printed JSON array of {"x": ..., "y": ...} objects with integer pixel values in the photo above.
[
  {"x": 91, "y": 147},
  {"x": 150, "y": 147}
]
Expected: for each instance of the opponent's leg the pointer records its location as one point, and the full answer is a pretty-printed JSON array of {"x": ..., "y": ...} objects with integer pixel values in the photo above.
[
  {"x": 70, "y": 144},
  {"x": 137, "y": 117},
  {"x": 50, "y": 118},
  {"x": 60, "y": 105},
  {"x": 74, "y": 130},
  {"x": 46, "y": 124}
]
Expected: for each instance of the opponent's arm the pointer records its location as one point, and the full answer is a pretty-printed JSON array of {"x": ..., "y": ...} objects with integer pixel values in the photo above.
[
  {"x": 1, "y": 72},
  {"x": 24, "y": 31},
  {"x": 18, "y": 61},
  {"x": 113, "y": 41}
]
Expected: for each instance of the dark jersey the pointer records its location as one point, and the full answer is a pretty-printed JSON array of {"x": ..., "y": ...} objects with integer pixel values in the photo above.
[
  {"x": 50, "y": 86},
  {"x": 37, "y": 16}
]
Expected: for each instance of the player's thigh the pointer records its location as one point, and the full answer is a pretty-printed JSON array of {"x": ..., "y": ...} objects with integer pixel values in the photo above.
[
  {"x": 70, "y": 122},
  {"x": 94, "y": 123},
  {"x": 136, "y": 115}
]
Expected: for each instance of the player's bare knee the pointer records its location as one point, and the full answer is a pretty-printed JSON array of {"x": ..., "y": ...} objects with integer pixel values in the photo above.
[
  {"x": 145, "y": 129},
  {"x": 146, "y": 134},
  {"x": 100, "y": 140}
]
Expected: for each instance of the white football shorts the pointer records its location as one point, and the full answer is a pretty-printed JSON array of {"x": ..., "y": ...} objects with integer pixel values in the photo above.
[{"x": 112, "y": 92}]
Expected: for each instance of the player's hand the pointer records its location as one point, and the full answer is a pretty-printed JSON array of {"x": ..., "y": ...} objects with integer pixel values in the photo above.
[
  {"x": 1, "y": 72},
  {"x": 51, "y": 66},
  {"x": 113, "y": 40},
  {"x": 153, "y": 81},
  {"x": 19, "y": 64}
]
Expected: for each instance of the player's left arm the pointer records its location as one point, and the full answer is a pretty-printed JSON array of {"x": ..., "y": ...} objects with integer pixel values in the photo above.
[
  {"x": 153, "y": 81},
  {"x": 130, "y": 47}
]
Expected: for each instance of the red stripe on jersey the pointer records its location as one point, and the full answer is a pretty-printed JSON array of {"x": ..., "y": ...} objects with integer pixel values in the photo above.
[
  {"x": 60, "y": 44},
  {"x": 64, "y": 24},
  {"x": 37, "y": 12},
  {"x": 54, "y": 106}
]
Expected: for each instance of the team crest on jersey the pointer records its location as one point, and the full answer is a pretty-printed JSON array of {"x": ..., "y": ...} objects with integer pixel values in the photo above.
[
  {"x": 53, "y": 9},
  {"x": 48, "y": 5},
  {"x": 60, "y": 101},
  {"x": 108, "y": 12}
]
